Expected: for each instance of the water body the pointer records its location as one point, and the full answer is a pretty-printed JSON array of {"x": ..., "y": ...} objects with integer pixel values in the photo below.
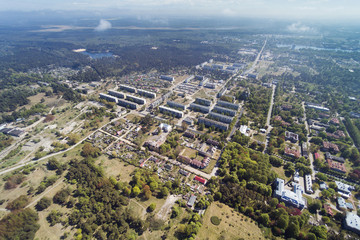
[
  {"x": 98, "y": 55},
  {"x": 298, "y": 47}
]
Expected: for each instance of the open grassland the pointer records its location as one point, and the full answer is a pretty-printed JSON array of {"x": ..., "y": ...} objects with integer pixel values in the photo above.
[{"x": 233, "y": 225}]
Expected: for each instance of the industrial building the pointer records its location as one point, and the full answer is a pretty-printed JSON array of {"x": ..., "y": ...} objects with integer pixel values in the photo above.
[
  {"x": 212, "y": 123},
  {"x": 127, "y": 104},
  {"x": 116, "y": 94},
  {"x": 199, "y": 108},
  {"x": 294, "y": 198},
  {"x": 167, "y": 78},
  {"x": 171, "y": 111},
  {"x": 226, "y": 111},
  {"x": 228, "y": 105},
  {"x": 146, "y": 93},
  {"x": 203, "y": 101},
  {"x": 108, "y": 98},
  {"x": 127, "y": 88},
  {"x": 176, "y": 105},
  {"x": 137, "y": 100},
  {"x": 308, "y": 184},
  {"x": 220, "y": 117}
]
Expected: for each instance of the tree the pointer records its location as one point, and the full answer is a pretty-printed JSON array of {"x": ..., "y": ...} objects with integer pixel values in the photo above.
[
  {"x": 164, "y": 192},
  {"x": 44, "y": 203},
  {"x": 136, "y": 191},
  {"x": 18, "y": 203},
  {"x": 265, "y": 219},
  {"x": 293, "y": 230},
  {"x": 53, "y": 164},
  {"x": 89, "y": 151},
  {"x": 151, "y": 207},
  {"x": 73, "y": 138}
]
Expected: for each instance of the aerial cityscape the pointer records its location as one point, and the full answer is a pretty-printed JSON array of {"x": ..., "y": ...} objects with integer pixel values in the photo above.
[{"x": 120, "y": 122}]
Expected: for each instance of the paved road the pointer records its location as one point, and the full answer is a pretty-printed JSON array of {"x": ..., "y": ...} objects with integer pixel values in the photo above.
[
  {"x": 269, "y": 127},
  {"x": 311, "y": 158}
]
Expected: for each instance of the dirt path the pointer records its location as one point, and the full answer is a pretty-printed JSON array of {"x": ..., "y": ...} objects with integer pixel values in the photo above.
[
  {"x": 165, "y": 209},
  {"x": 44, "y": 193}
]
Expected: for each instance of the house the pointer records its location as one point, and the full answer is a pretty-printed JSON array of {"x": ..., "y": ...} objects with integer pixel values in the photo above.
[
  {"x": 191, "y": 201},
  {"x": 200, "y": 180},
  {"x": 184, "y": 159},
  {"x": 336, "y": 166},
  {"x": 293, "y": 137},
  {"x": 184, "y": 172},
  {"x": 335, "y": 121},
  {"x": 316, "y": 155},
  {"x": 286, "y": 107},
  {"x": 328, "y": 210}
]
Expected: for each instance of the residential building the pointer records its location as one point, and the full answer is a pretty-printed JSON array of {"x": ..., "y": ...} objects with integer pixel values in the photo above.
[
  {"x": 352, "y": 222},
  {"x": 294, "y": 198},
  {"x": 228, "y": 105},
  {"x": 212, "y": 142},
  {"x": 184, "y": 159},
  {"x": 108, "y": 98},
  {"x": 199, "y": 108},
  {"x": 335, "y": 121},
  {"x": 167, "y": 78},
  {"x": 293, "y": 137},
  {"x": 184, "y": 172},
  {"x": 173, "y": 104},
  {"x": 189, "y": 135},
  {"x": 127, "y": 104},
  {"x": 127, "y": 88},
  {"x": 171, "y": 111},
  {"x": 187, "y": 80},
  {"x": 191, "y": 201},
  {"x": 328, "y": 146},
  {"x": 304, "y": 149},
  {"x": 226, "y": 111},
  {"x": 116, "y": 94},
  {"x": 291, "y": 152},
  {"x": 168, "y": 167},
  {"x": 221, "y": 92},
  {"x": 220, "y": 117},
  {"x": 188, "y": 121},
  {"x": 317, "y": 107},
  {"x": 328, "y": 210},
  {"x": 212, "y": 123},
  {"x": 336, "y": 166},
  {"x": 210, "y": 85},
  {"x": 335, "y": 158},
  {"x": 146, "y": 93},
  {"x": 137, "y": 100},
  {"x": 203, "y": 101},
  {"x": 200, "y": 179},
  {"x": 198, "y": 77},
  {"x": 308, "y": 184}
]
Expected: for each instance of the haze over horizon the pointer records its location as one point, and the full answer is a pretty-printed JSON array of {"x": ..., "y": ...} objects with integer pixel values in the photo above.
[{"x": 346, "y": 10}]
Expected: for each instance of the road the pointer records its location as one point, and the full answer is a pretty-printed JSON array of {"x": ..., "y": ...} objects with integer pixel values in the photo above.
[
  {"x": 252, "y": 68},
  {"x": 311, "y": 158},
  {"x": 269, "y": 127},
  {"x": 234, "y": 127}
]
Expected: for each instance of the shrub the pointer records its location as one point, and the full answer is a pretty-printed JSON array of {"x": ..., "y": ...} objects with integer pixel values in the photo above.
[{"x": 215, "y": 220}]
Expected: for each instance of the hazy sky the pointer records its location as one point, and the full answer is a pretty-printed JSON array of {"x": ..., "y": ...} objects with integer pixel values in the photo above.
[{"x": 303, "y": 9}]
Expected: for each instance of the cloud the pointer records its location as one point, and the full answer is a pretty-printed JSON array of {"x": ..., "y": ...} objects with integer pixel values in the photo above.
[
  {"x": 103, "y": 25},
  {"x": 298, "y": 27}
]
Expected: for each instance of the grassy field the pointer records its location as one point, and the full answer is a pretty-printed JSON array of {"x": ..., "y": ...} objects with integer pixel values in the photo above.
[
  {"x": 280, "y": 171},
  {"x": 116, "y": 168},
  {"x": 259, "y": 137},
  {"x": 209, "y": 168},
  {"x": 233, "y": 225}
]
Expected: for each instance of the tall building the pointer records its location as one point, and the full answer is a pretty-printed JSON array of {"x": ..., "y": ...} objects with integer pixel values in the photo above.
[
  {"x": 145, "y": 93},
  {"x": 171, "y": 111},
  {"x": 108, "y": 98},
  {"x": 228, "y": 105},
  {"x": 137, "y": 100},
  {"x": 176, "y": 105},
  {"x": 127, "y": 88},
  {"x": 203, "y": 101},
  {"x": 116, "y": 94},
  {"x": 294, "y": 198},
  {"x": 127, "y": 104},
  {"x": 212, "y": 123},
  {"x": 226, "y": 111},
  {"x": 199, "y": 108},
  {"x": 167, "y": 78},
  {"x": 220, "y": 117}
]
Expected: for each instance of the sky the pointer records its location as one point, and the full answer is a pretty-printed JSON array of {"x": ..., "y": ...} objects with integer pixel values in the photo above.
[{"x": 282, "y": 9}]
